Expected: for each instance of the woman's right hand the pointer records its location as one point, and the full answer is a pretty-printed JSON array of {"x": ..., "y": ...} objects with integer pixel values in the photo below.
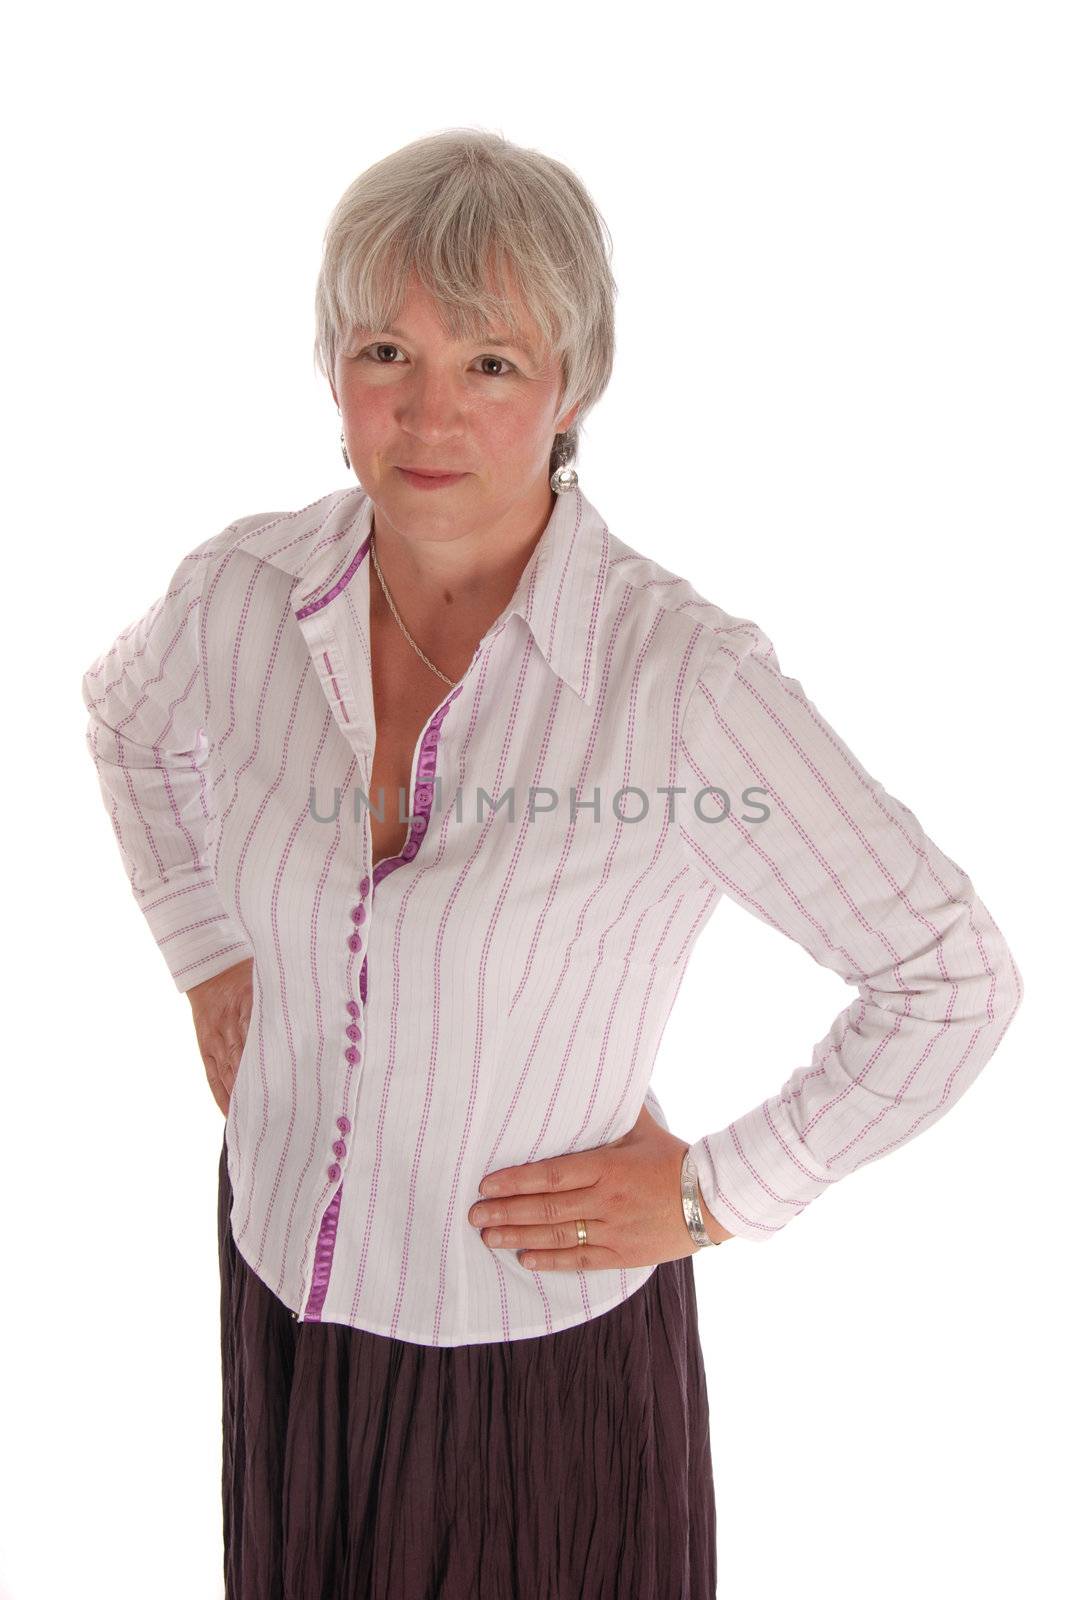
[{"x": 222, "y": 1007}]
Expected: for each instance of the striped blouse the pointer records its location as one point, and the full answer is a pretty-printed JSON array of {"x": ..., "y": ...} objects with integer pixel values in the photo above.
[{"x": 619, "y": 755}]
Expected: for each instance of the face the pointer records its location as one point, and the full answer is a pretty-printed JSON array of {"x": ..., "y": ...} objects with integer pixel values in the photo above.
[{"x": 412, "y": 397}]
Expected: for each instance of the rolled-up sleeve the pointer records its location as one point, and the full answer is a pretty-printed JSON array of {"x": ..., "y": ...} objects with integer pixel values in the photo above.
[
  {"x": 844, "y": 869},
  {"x": 148, "y": 740}
]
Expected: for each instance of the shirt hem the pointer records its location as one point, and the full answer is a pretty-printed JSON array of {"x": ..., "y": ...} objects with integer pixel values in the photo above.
[{"x": 484, "y": 1335}]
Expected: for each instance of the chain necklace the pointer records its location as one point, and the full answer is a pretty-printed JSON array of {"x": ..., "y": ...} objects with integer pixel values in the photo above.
[{"x": 375, "y": 562}]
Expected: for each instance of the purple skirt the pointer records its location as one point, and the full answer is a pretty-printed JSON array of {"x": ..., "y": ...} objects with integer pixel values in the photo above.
[{"x": 570, "y": 1466}]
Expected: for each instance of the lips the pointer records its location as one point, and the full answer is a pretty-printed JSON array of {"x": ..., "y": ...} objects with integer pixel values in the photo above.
[{"x": 418, "y": 479}]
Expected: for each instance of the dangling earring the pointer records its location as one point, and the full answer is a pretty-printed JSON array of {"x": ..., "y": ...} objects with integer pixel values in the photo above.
[
  {"x": 345, "y": 452},
  {"x": 563, "y": 477}
]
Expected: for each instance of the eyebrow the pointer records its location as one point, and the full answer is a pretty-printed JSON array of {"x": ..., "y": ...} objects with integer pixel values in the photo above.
[{"x": 507, "y": 344}]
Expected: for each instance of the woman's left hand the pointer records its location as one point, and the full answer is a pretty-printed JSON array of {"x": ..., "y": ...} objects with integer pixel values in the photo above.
[{"x": 628, "y": 1194}]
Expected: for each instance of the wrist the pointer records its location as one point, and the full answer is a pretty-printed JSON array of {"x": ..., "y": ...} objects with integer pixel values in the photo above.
[
  {"x": 703, "y": 1227},
  {"x": 713, "y": 1226}
]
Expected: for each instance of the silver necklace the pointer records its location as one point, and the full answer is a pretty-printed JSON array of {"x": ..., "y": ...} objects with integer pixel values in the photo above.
[{"x": 375, "y": 562}]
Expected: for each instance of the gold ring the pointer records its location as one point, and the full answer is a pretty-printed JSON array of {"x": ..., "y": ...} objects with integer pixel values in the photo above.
[{"x": 581, "y": 1233}]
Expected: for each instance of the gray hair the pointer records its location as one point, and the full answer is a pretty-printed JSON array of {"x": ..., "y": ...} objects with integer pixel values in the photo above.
[{"x": 450, "y": 207}]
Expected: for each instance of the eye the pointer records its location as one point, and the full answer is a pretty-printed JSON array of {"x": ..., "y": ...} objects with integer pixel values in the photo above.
[
  {"x": 372, "y": 352},
  {"x": 377, "y": 348}
]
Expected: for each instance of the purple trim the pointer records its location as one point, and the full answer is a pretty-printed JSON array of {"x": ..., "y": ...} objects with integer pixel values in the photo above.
[
  {"x": 321, "y": 1267},
  {"x": 427, "y": 760},
  {"x": 336, "y": 588}
]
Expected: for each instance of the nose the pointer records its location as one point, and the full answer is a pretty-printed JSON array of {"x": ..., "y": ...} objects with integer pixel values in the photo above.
[{"x": 431, "y": 408}]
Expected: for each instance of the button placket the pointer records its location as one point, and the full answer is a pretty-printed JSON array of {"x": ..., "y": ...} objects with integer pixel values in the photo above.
[
  {"x": 352, "y": 1030},
  {"x": 427, "y": 761},
  {"x": 325, "y": 1242}
]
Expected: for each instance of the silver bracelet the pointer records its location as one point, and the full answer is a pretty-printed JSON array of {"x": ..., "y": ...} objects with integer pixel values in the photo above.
[{"x": 693, "y": 1215}]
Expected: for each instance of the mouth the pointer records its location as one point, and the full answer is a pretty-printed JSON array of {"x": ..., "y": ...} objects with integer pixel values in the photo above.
[{"x": 429, "y": 480}]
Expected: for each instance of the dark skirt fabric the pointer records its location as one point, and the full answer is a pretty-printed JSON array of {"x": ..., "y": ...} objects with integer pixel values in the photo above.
[{"x": 571, "y": 1466}]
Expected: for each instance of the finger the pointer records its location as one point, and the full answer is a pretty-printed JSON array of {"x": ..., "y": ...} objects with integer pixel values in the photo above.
[
  {"x": 556, "y": 1237},
  {"x": 224, "y": 1046},
  {"x": 220, "y": 1089},
  {"x": 220, "y": 1073},
  {"x": 539, "y": 1209},
  {"x": 580, "y": 1170},
  {"x": 219, "y": 1092},
  {"x": 233, "y": 1045},
  {"x": 585, "y": 1258},
  {"x": 234, "y": 1061}
]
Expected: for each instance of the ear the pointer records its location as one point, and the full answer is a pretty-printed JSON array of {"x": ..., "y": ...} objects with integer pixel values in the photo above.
[{"x": 565, "y": 423}]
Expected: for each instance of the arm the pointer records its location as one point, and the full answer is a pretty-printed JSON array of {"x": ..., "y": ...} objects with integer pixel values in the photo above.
[
  {"x": 147, "y": 736},
  {"x": 845, "y": 870}
]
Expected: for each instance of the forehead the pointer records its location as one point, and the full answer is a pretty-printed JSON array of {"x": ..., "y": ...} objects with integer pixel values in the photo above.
[{"x": 513, "y": 328}]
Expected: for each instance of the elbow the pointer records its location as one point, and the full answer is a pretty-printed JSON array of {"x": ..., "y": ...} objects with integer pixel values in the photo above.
[
  {"x": 987, "y": 1003},
  {"x": 1008, "y": 987},
  {"x": 990, "y": 997},
  {"x": 969, "y": 977}
]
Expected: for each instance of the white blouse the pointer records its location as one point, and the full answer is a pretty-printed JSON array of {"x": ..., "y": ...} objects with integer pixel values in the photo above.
[{"x": 619, "y": 755}]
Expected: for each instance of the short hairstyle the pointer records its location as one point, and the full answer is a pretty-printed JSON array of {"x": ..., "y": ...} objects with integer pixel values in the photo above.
[{"x": 455, "y": 207}]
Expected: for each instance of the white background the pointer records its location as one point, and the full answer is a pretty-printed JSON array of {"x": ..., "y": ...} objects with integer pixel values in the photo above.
[{"x": 840, "y": 407}]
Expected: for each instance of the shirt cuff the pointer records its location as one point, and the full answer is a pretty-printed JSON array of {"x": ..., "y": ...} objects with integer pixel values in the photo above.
[
  {"x": 193, "y": 929},
  {"x": 744, "y": 1199}
]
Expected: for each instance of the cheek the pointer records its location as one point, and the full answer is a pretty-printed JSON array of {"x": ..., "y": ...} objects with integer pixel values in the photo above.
[
  {"x": 515, "y": 430},
  {"x": 367, "y": 412},
  {"x": 506, "y": 427}
]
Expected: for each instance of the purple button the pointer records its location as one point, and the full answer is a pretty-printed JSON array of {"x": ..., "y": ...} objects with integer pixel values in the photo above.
[
  {"x": 358, "y": 914},
  {"x": 334, "y": 1171},
  {"x": 353, "y": 1032},
  {"x": 409, "y": 850},
  {"x": 339, "y": 1147},
  {"x": 354, "y": 941},
  {"x": 344, "y": 1123},
  {"x": 353, "y": 1055},
  {"x": 364, "y": 885},
  {"x": 353, "y": 1008}
]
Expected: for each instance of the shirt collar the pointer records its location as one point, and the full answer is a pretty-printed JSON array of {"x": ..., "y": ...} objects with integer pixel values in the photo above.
[
  {"x": 558, "y": 595},
  {"x": 560, "y": 591}
]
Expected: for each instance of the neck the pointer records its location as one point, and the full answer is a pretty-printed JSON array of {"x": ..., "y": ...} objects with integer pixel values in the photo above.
[{"x": 449, "y": 591}]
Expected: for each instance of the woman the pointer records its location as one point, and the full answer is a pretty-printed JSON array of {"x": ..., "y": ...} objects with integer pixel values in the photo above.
[{"x": 459, "y": 1336}]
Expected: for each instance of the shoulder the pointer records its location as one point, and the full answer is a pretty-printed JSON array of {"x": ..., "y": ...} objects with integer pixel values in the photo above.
[
  {"x": 287, "y": 542},
  {"x": 687, "y": 625}
]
